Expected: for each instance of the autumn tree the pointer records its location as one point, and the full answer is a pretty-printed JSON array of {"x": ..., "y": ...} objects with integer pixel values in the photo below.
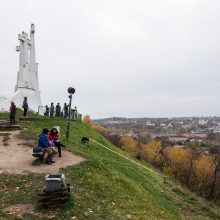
[
  {"x": 115, "y": 139},
  {"x": 203, "y": 175},
  {"x": 100, "y": 129},
  {"x": 151, "y": 152},
  {"x": 129, "y": 145},
  {"x": 178, "y": 159},
  {"x": 144, "y": 137},
  {"x": 87, "y": 120},
  {"x": 215, "y": 182},
  {"x": 194, "y": 152}
]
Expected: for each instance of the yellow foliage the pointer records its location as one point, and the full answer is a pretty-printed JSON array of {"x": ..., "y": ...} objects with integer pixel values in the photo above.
[
  {"x": 100, "y": 129},
  {"x": 151, "y": 152},
  {"x": 87, "y": 120},
  {"x": 167, "y": 171},
  {"x": 204, "y": 169},
  {"x": 179, "y": 159},
  {"x": 129, "y": 145}
]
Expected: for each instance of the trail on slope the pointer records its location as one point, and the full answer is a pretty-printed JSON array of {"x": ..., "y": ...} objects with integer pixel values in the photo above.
[{"x": 16, "y": 157}]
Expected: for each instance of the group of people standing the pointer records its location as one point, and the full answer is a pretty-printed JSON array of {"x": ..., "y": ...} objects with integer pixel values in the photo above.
[
  {"x": 57, "y": 111},
  {"x": 13, "y": 110},
  {"x": 52, "y": 112}
]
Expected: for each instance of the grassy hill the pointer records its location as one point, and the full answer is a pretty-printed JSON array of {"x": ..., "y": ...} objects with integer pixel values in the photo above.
[{"x": 105, "y": 186}]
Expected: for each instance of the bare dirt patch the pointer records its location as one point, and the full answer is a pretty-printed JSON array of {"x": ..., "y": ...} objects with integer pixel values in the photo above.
[
  {"x": 21, "y": 210},
  {"x": 17, "y": 158}
]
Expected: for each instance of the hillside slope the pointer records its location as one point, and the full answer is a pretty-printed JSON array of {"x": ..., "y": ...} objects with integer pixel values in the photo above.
[{"x": 105, "y": 186}]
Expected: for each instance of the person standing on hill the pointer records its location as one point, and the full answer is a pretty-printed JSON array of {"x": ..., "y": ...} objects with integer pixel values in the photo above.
[
  {"x": 13, "y": 111},
  {"x": 46, "y": 113},
  {"x": 65, "y": 110},
  {"x": 75, "y": 113},
  {"x": 25, "y": 106},
  {"x": 58, "y": 110},
  {"x": 51, "y": 110}
]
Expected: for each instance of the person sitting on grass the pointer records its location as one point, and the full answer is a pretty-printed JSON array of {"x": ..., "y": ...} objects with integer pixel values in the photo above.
[
  {"x": 44, "y": 143},
  {"x": 54, "y": 138}
]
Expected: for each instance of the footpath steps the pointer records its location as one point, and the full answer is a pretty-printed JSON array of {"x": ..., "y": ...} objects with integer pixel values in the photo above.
[{"x": 5, "y": 124}]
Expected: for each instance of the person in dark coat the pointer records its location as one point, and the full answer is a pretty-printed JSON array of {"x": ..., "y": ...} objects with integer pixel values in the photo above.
[
  {"x": 58, "y": 110},
  {"x": 51, "y": 110},
  {"x": 25, "y": 106},
  {"x": 46, "y": 113},
  {"x": 65, "y": 110},
  {"x": 13, "y": 111}
]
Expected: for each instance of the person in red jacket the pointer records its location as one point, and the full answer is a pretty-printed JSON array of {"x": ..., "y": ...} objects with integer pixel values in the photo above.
[{"x": 54, "y": 137}]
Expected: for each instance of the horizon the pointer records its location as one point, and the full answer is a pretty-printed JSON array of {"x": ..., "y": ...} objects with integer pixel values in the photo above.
[{"x": 173, "y": 117}]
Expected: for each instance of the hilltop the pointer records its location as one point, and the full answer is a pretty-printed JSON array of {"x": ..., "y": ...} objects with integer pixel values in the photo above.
[{"x": 104, "y": 186}]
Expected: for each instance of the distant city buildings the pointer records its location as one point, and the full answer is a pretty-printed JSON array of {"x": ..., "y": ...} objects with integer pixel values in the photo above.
[{"x": 178, "y": 132}]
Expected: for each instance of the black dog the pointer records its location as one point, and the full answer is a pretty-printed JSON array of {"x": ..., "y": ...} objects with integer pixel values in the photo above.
[{"x": 85, "y": 140}]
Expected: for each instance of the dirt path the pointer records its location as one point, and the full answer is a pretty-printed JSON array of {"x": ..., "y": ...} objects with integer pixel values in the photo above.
[{"x": 16, "y": 157}]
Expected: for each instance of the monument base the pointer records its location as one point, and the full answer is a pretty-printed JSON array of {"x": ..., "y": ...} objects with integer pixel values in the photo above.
[
  {"x": 4, "y": 104},
  {"x": 33, "y": 99}
]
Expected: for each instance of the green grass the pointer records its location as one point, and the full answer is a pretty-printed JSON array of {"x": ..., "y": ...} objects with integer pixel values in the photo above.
[
  {"x": 19, "y": 114},
  {"x": 105, "y": 186}
]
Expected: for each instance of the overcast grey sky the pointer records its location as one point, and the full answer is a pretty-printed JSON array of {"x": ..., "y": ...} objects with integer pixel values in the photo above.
[{"x": 124, "y": 58}]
